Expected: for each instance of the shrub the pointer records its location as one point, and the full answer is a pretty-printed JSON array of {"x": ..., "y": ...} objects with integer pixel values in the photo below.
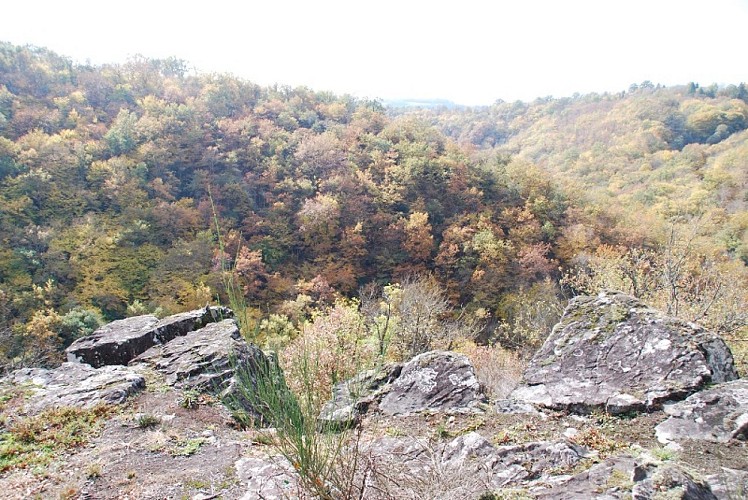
[
  {"x": 498, "y": 370},
  {"x": 326, "y": 461},
  {"x": 329, "y": 350},
  {"x": 147, "y": 420},
  {"x": 77, "y": 323},
  {"x": 528, "y": 316},
  {"x": 415, "y": 317}
]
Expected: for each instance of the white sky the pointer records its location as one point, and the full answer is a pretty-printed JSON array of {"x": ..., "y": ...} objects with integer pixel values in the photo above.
[{"x": 468, "y": 51}]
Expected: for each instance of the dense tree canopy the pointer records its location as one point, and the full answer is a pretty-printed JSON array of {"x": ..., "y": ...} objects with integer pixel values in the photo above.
[{"x": 110, "y": 178}]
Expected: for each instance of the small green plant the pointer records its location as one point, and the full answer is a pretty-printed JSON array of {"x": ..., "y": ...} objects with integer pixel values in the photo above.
[
  {"x": 197, "y": 484},
  {"x": 190, "y": 399},
  {"x": 187, "y": 447},
  {"x": 147, "y": 420},
  {"x": 325, "y": 457},
  {"x": 472, "y": 425},
  {"x": 502, "y": 438},
  {"x": 442, "y": 432},
  {"x": 664, "y": 454},
  {"x": 262, "y": 438},
  {"x": 506, "y": 494},
  {"x": 620, "y": 479},
  {"x": 395, "y": 432}
]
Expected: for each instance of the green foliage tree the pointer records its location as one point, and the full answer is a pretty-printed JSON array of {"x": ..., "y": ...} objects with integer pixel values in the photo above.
[{"x": 105, "y": 174}]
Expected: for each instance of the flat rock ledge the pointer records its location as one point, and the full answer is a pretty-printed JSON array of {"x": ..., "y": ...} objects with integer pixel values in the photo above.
[
  {"x": 611, "y": 352},
  {"x": 718, "y": 414},
  {"x": 118, "y": 342},
  {"x": 204, "y": 359},
  {"x": 75, "y": 384}
]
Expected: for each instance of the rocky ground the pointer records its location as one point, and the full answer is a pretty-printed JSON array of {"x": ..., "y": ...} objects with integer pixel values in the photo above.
[{"x": 621, "y": 402}]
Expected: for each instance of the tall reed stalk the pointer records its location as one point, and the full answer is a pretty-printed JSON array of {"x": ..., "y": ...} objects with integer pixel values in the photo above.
[
  {"x": 237, "y": 301},
  {"x": 326, "y": 459}
]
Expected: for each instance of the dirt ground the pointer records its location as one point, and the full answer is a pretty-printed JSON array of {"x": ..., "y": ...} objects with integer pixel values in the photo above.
[{"x": 154, "y": 448}]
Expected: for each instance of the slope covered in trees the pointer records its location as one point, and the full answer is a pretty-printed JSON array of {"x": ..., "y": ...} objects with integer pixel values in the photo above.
[
  {"x": 656, "y": 183},
  {"x": 110, "y": 178}
]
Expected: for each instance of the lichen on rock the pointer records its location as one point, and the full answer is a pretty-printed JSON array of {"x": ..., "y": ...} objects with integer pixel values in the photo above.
[{"x": 612, "y": 352}]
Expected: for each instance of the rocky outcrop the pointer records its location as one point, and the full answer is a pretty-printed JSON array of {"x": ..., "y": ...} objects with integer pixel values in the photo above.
[
  {"x": 472, "y": 456},
  {"x": 203, "y": 359},
  {"x": 626, "y": 477},
  {"x": 610, "y": 479},
  {"x": 437, "y": 380},
  {"x": 352, "y": 398},
  {"x": 433, "y": 381},
  {"x": 118, "y": 342},
  {"x": 75, "y": 384},
  {"x": 718, "y": 414},
  {"x": 614, "y": 353},
  {"x": 669, "y": 481},
  {"x": 729, "y": 484}
]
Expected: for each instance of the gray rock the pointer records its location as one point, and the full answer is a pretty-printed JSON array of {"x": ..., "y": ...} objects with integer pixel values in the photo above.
[
  {"x": 611, "y": 479},
  {"x": 433, "y": 381},
  {"x": 76, "y": 384},
  {"x": 535, "y": 461},
  {"x": 473, "y": 456},
  {"x": 612, "y": 352},
  {"x": 352, "y": 398},
  {"x": 267, "y": 478},
  {"x": 718, "y": 414},
  {"x": 436, "y": 380},
  {"x": 668, "y": 481},
  {"x": 516, "y": 407},
  {"x": 729, "y": 484},
  {"x": 204, "y": 359},
  {"x": 625, "y": 477},
  {"x": 118, "y": 342}
]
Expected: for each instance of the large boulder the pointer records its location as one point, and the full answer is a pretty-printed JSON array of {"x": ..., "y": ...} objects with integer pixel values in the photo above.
[
  {"x": 729, "y": 484},
  {"x": 118, "y": 342},
  {"x": 610, "y": 479},
  {"x": 669, "y": 481},
  {"x": 614, "y": 353},
  {"x": 353, "y": 398},
  {"x": 204, "y": 359},
  {"x": 75, "y": 384},
  {"x": 440, "y": 381},
  {"x": 436, "y": 380},
  {"x": 718, "y": 414}
]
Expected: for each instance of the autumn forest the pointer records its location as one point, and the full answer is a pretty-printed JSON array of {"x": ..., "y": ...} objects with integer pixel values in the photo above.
[{"x": 135, "y": 188}]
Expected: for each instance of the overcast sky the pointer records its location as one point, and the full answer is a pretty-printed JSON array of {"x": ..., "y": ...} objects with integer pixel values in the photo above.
[{"x": 467, "y": 51}]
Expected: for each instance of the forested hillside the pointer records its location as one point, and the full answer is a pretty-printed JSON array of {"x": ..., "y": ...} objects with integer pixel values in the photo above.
[{"x": 110, "y": 178}]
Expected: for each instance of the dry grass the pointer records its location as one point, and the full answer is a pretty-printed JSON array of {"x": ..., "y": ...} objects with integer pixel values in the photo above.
[
  {"x": 498, "y": 370},
  {"x": 422, "y": 472}
]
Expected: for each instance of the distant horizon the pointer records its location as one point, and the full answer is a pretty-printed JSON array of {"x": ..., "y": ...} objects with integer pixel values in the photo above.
[
  {"x": 474, "y": 53},
  {"x": 397, "y": 101}
]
